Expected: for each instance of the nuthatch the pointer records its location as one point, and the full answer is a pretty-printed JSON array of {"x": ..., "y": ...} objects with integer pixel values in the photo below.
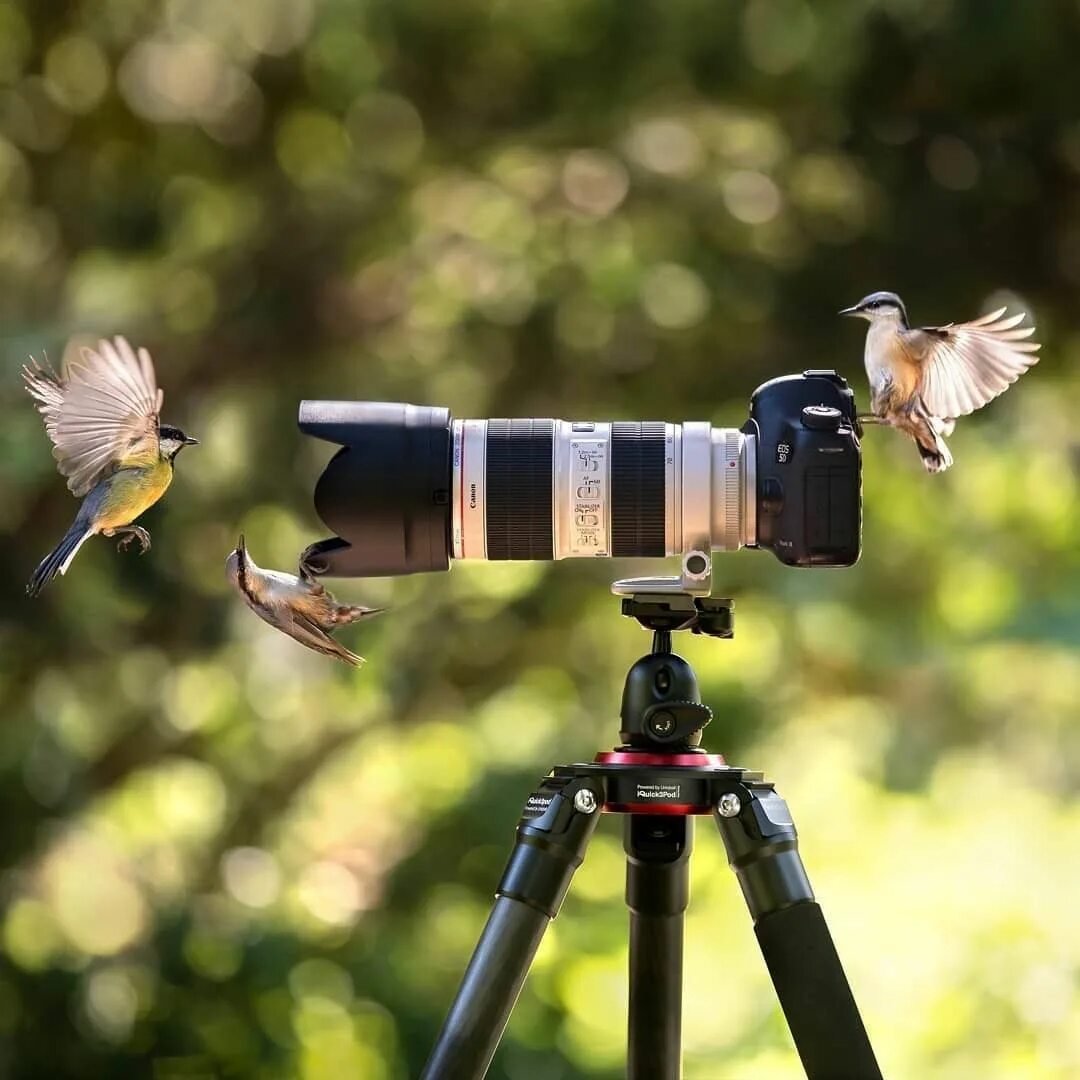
[
  {"x": 103, "y": 419},
  {"x": 298, "y": 606},
  {"x": 923, "y": 378}
]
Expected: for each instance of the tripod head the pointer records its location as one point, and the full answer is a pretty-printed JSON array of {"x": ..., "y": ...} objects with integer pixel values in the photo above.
[{"x": 661, "y": 702}]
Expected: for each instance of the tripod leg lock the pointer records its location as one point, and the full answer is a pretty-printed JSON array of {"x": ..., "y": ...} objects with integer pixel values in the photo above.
[
  {"x": 551, "y": 846},
  {"x": 763, "y": 850}
]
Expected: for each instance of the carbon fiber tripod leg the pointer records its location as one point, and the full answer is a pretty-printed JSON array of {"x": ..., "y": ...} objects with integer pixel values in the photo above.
[
  {"x": 657, "y": 893},
  {"x": 549, "y": 848},
  {"x": 762, "y": 848}
]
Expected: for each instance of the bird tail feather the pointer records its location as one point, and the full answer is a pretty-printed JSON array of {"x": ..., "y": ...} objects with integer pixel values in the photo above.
[
  {"x": 345, "y": 654},
  {"x": 59, "y": 559},
  {"x": 344, "y": 614},
  {"x": 937, "y": 459},
  {"x": 929, "y": 434}
]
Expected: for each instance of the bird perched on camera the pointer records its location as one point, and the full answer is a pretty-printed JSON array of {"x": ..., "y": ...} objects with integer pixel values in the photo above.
[
  {"x": 298, "y": 606},
  {"x": 923, "y": 378},
  {"x": 103, "y": 417}
]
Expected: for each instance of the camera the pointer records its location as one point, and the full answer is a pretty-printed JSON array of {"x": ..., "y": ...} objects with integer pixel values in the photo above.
[{"x": 411, "y": 488}]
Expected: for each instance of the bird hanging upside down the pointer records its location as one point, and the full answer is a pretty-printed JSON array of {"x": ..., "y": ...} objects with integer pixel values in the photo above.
[
  {"x": 103, "y": 419},
  {"x": 923, "y": 378},
  {"x": 298, "y": 606}
]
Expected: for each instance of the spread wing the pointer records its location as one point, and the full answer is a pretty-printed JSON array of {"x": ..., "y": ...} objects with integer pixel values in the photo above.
[
  {"x": 106, "y": 408},
  {"x": 965, "y": 365}
]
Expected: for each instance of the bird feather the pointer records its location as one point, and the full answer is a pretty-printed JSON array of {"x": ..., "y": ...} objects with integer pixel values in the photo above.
[
  {"x": 965, "y": 365},
  {"x": 104, "y": 410},
  {"x": 306, "y": 632}
]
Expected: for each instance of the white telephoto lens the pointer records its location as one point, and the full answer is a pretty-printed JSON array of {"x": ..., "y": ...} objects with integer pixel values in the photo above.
[{"x": 557, "y": 489}]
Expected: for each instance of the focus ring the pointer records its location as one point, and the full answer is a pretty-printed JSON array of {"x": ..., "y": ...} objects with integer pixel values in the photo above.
[
  {"x": 729, "y": 538},
  {"x": 519, "y": 510},
  {"x": 637, "y": 490}
]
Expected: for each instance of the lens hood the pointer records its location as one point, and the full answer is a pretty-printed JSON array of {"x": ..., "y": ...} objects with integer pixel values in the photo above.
[{"x": 386, "y": 492}]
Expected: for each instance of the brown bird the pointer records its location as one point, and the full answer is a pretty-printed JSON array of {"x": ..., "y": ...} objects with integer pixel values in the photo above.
[
  {"x": 298, "y": 606},
  {"x": 923, "y": 378}
]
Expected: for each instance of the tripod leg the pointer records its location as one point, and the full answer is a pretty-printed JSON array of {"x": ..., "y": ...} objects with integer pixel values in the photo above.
[
  {"x": 762, "y": 848},
  {"x": 657, "y": 893},
  {"x": 548, "y": 849}
]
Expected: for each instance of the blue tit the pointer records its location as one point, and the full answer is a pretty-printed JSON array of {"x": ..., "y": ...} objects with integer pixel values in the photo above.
[
  {"x": 923, "y": 378},
  {"x": 103, "y": 419},
  {"x": 298, "y": 606}
]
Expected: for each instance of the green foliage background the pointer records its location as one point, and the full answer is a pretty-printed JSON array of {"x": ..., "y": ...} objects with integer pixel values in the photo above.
[{"x": 225, "y": 856}]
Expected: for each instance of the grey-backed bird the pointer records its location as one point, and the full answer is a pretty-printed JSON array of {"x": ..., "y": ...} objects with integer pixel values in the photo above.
[
  {"x": 298, "y": 606},
  {"x": 103, "y": 417},
  {"x": 923, "y": 378}
]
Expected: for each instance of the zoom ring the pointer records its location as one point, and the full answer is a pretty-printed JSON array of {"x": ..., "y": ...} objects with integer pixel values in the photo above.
[
  {"x": 637, "y": 490},
  {"x": 519, "y": 510}
]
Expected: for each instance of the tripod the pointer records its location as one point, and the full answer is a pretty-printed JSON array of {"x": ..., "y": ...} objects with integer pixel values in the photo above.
[{"x": 660, "y": 779}]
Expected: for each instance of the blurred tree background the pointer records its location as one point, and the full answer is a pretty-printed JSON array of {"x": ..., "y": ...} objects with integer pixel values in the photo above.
[{"x": 225, "y": 856}]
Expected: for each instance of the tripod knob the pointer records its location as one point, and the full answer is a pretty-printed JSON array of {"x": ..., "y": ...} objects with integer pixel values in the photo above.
[{"x": 675, "y": 721}]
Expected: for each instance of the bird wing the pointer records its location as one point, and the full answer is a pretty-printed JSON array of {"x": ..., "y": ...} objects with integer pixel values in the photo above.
[
  {"x": 965, "y": 365},
  {"x": 106, "y": 409},
  {"x": 314, "y": 637},
  {"x": 327, "y": 613},
  {"x": 281, "y": 615}
]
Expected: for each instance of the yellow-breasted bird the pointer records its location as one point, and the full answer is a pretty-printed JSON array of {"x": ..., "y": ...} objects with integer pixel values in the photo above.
[
  {"x": 298, "y": 606},
  {"x": 103, "y": 417},
  {"x": 923, "y": 378}
]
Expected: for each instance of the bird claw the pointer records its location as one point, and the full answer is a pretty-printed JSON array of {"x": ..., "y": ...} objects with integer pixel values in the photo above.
[
  {"x": 135, "y": 533},
  {"x": 311, "y": 564},
  {"x": 862, "y": 419}
]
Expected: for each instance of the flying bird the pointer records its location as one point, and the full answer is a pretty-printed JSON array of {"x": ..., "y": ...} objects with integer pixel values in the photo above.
[
  {"x": 923, "y": 378},
  {"x": 103, "y": 418},
  {"x": 298, "y": 606}
]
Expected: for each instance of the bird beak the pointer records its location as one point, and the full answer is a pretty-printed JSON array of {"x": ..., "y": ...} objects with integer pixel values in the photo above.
[
  {"x": 854, "y": 310},
  {"x": 190, "y": 440},
  {"x": 241, "y": 548}
]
